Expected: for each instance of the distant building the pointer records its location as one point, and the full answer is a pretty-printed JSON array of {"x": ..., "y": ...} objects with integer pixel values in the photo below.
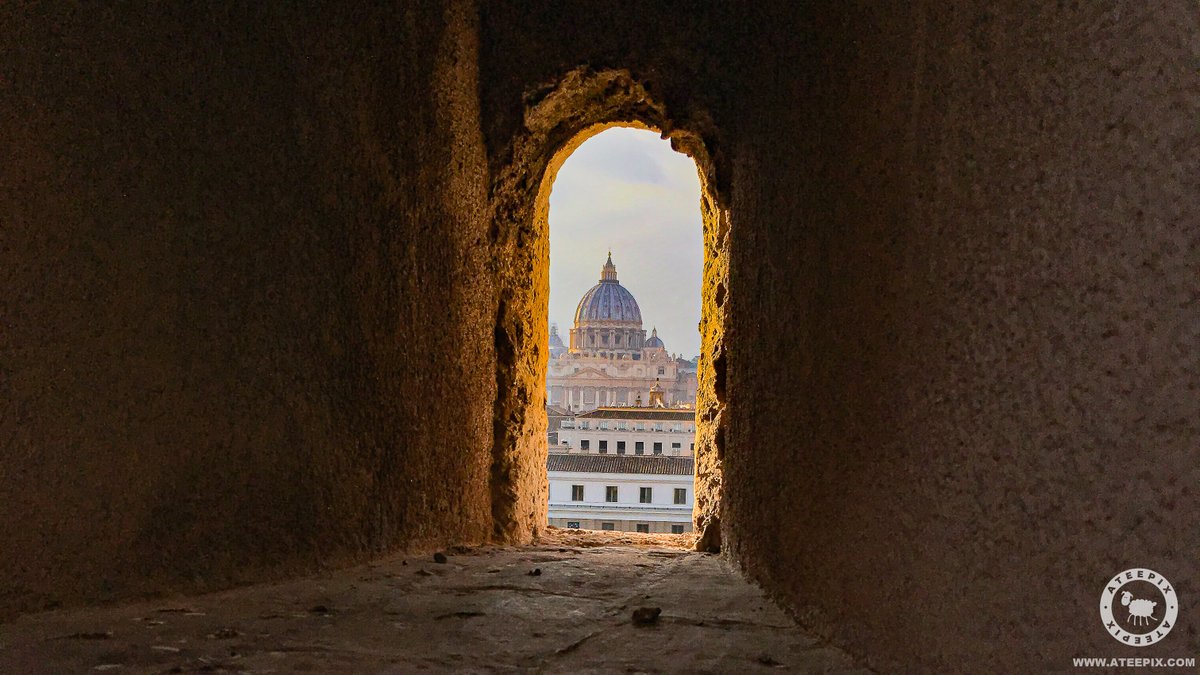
[
  {"x": 610, "y": 361},
  {"x": 555, "y": 416},
  {"x": 626, "y": 469},
  {"x": 629, "y": 431},
  {"x": 557, "y": 348},
  {"x": 626, "y": 493},
  {"x": 621, "y": 455}
]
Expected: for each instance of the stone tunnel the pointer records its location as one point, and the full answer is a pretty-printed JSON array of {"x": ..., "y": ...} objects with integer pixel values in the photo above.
[{"x": 273, "y": 281}]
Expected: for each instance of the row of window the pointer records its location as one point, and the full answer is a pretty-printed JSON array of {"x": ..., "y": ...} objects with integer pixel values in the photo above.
[
  {"x": 645, "y": 495},
  {"x": 636, "y": 356},
  {"x": 639, "y": 447},
  {"x": 630, "y": 341},
  {"x": 637, "y": 426},
  {"x": 641, "y": 527}
]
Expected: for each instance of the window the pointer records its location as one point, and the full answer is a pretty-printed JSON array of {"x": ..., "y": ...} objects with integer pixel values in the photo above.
[
  {"x": 693, "y": 448},
  {"x": 603, "y": 377},
  {"x": 577, "y": 493},
  {"x": 572, "y": 524},
  {"x": 675, "y": 446},
  {"x": 676, "y": 529},
  {"x": 646, "y": 495},
  {"x": 680, "y": 495},
  {"x": 643, "y": 527},
  {"x": 584, "y": 444},
  {"x": 584, "y": 424}
]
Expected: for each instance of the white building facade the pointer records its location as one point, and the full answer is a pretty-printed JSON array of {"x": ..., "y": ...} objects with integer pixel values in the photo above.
[
  {"x": 621, "y": 492},
  {"x": 626, "y": 469}
]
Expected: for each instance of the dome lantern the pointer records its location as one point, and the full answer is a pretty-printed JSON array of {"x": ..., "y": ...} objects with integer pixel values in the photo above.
[
  {"x": 609, "y": 271},
  {"x": 655, "y": 342}
]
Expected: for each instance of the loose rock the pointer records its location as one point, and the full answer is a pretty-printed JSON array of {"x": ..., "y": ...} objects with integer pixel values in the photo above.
[{"x": 644, "y": 616}]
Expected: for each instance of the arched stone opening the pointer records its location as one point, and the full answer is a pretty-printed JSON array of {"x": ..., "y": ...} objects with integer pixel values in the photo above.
[{"x": 582, "y": 104}]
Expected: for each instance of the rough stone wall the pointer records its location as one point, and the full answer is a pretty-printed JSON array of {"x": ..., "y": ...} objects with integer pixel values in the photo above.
[
  {"x": 961, "y": 349},
  {"x": 246, "y": 319},
  {"x": 970, "y": 235}
]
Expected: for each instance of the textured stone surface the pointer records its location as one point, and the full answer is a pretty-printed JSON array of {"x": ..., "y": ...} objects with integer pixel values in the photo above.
[
  {"x": 480, "y": 611},
  {"x": 245, "y": 288},
  {"x": 962, "y": 369},
  {"x": 981, "y": 273}
]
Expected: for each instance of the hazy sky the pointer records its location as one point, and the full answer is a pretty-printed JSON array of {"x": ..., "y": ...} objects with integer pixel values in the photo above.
[{"x": 626, "y": 190}]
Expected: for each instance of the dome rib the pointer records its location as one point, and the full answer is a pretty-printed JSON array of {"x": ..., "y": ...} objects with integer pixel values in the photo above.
[{"x": 608, "y": 301}]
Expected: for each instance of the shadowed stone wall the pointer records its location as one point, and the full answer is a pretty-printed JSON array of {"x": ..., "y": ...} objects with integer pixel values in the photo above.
[
  {"x": 972, "y": 234},
  {"x": 246, "y": 320}
]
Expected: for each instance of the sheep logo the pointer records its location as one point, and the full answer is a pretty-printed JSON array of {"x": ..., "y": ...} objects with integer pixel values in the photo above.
[
  {"x": 1148, "y": 607},
  {"x": 1140, "y": 611}
]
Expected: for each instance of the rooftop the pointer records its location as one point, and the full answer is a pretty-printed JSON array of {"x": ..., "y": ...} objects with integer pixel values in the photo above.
[
  {"x": 641, "y": 413},
  {"x": 644, "y": 464}
]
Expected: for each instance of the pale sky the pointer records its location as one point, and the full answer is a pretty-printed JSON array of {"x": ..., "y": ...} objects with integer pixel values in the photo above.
[{"x": 626, "y": 190}]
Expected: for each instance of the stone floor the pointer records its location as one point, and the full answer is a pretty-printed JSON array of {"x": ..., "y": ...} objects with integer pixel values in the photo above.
[{"x": 565, "y": 605}]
